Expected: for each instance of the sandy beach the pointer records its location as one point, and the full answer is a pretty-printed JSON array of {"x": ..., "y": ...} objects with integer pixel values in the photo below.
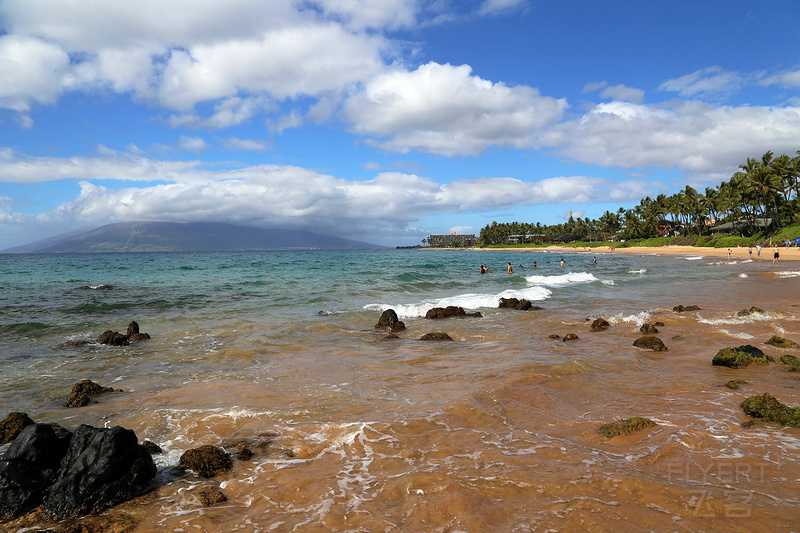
[{"x": 786, "y": 254}]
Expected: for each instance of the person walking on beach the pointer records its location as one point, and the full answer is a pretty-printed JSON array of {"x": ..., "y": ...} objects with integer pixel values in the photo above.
[
  {"x": 750, "y": 252},
  {"x": 758, "y": 250},
  {"x": 510, "y": 268},
  {"x": 776, "y": 255}
]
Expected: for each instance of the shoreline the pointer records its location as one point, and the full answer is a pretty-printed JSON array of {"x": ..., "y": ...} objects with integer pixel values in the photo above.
[{"x": 786, "y": 254}]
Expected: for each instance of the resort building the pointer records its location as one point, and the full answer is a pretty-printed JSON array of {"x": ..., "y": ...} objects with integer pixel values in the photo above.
[{"x": 451, "y": 241}]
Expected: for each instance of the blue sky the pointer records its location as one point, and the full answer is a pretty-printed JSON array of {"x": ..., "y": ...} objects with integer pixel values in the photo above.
[{"x": 385, "y": 120}]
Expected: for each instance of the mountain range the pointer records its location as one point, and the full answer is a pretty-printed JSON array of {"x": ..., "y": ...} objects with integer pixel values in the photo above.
[{"x": 186, "y": 237}]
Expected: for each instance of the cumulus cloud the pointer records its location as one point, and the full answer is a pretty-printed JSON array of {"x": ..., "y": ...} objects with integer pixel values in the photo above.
[
  {"x": 16, "y": 168},
  {"x": 182, "y": 53},
  {"x": 186, "y": 191},
  {"x": 31, "y": 71},
  {"x": 687, "y": 135},
  {"x": 446, "y": 110}
]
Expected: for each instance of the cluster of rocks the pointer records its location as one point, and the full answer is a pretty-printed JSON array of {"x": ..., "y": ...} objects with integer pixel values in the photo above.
[
  {"x": 72, "y": 474},
  {"x": 519, "y": 305},
  {"x": 84, "y": 391},
  {"x": 450, "y": 311},
  {"x": 115, "y": 338},
  {"x": 687, "y": 308},
  {"x": 63, "y": 474}
]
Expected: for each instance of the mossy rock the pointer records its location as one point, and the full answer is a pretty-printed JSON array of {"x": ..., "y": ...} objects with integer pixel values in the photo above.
[
  {"x": 748, "y": 312},
  {"x": 625, "y": 427},
  {"x": 734, "y": 384},
  {"x": 766, "y": 407},
  {"x": 791, "y": 360},
  {"x": 741, "y": 357},
  {"x": 780, "y": 342}
]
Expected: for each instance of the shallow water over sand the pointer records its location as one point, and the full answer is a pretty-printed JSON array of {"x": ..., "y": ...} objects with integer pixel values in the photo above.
[{"x": 495, "y": 431}]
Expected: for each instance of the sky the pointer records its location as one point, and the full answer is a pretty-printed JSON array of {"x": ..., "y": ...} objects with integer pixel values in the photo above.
[{"x": 381, "y": 120}]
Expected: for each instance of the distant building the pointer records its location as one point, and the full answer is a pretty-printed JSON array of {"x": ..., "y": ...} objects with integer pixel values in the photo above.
[{"x": 452, "y": 241}]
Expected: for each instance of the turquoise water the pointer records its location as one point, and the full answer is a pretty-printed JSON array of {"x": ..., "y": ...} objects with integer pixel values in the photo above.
[{"x": 499, "y": 424}]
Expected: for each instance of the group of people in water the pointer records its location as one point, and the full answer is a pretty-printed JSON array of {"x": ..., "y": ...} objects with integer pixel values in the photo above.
[{"x": 485, "y": 268}]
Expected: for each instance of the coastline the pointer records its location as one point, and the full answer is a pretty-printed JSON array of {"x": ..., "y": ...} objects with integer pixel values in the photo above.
[{"x": 786, "y": 254}]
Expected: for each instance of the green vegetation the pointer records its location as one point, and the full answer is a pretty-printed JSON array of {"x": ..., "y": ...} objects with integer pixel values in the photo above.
[
  {"x": 760, "y": 203},
  {"x": 734, "y": 384}
]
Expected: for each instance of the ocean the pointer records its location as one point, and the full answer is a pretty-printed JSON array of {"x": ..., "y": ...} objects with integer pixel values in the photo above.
[{"x": 352, "y": 431}]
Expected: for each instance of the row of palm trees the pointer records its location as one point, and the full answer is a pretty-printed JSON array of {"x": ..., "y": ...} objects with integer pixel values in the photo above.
[{"x": 763, "y": 195}]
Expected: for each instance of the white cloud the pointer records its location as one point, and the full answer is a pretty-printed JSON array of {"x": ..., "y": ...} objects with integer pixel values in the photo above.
[
  {"x": 280, "y": 195},
  {"x": 246, "y": 145},
  {"x": 229, "y": 112},
  {"x": 691, "y": 136},
  {"x": 444, "y": 109},
  {"x": 111, "y": 165},
  {"x": 369, "y": 14},
  {"x": 493, "y": 7},
  {"x": 196, "y": 145},
  {"x": 621, "y": 92},
  {"x": 707, "y": 82},
  {"x": 284, "y": 63},
  {"x": 30, "y": 71},
  {"x": 789, "y": 79},
  {"x": 184, "y": 52}
]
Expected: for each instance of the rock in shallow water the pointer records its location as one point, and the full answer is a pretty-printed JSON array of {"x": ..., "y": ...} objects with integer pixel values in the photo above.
[
  {"x": 73, "y": 474},
  {"x": 206, "y": 460},
  {"x": 12, "y": 425},
  {"x": 625, "y": 427},
  {"x": 741, "y": 357}
]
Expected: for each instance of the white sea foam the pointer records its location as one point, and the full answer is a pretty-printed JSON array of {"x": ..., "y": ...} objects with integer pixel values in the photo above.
[
  {"x": 640, "y": 271},
  {"x": 608, "y": 282},
  {"x": 638, "y": 319},
  {"x": 788, "y": 274},
  {"x": 467, "y": 301},
  {"x": 737, "y": 335},
  {"x": 743, "y": 275},
  {"x": 562, "y": 280},
  {"x": 694, "y": 257}
]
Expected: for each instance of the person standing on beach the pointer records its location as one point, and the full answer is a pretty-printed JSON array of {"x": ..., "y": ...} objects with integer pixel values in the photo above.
[
  {"x": 510, "y": 268},
  {"x": 776, "y": 255},
  {"x": 729, "y": 254},
  {"x": 758, "y": 250},
  {"x": 750, "y": 252}
]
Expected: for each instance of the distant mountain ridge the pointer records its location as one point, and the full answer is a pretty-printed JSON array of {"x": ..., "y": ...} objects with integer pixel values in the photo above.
[{"x": 187, "y": 237}]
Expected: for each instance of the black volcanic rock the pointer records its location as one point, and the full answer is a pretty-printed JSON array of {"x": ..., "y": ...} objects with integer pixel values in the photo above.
[
  {"x": 389, "y": 319},
  {"x": 102, "y": 467}
]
